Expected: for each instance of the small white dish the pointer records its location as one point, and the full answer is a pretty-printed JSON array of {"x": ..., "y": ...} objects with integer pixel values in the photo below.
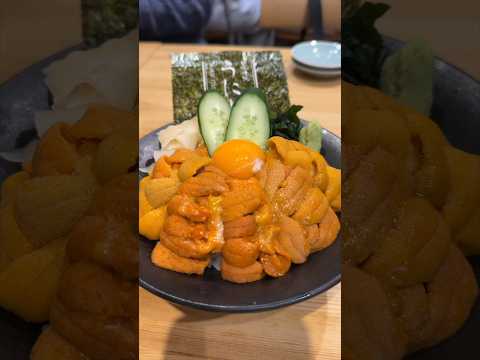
[
  {"x": 318, "y": 54},
  {"x": 318, "y": 72}
]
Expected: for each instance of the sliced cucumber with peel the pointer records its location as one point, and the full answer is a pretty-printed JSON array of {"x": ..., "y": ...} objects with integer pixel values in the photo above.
[
  {"x": 213, "y": 114},
  {"x": 249, "y": 118}
]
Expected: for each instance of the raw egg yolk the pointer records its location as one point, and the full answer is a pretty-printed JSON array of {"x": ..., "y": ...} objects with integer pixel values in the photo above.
[{"x": 240, "y": 159}]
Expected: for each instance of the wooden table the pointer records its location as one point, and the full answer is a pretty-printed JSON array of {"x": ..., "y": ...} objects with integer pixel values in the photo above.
[{"x": 309, "y": 330}]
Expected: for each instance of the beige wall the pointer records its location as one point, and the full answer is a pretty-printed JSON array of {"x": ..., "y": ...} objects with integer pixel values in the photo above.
[
  {"x": 284, "y": 14},
  {"x": 292, "y": 15},
  {"x": 31, "y": 30}
]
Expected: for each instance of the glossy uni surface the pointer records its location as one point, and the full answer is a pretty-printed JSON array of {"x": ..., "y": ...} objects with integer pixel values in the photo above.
[{"x": 210, "y": 292}]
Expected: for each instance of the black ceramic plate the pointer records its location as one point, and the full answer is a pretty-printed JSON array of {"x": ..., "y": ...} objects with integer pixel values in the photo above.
[{"x": 210, "y": 292}]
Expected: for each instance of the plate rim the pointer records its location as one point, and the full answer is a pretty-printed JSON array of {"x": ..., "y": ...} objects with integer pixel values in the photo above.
[
  {"x": 238, "y": 308},
  {"x": 242, "y": 308},
  {"x": 315, "y": 68}
]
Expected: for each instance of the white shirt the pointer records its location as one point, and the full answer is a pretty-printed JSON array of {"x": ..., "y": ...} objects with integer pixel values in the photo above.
[{"x": 244, "y": 16}]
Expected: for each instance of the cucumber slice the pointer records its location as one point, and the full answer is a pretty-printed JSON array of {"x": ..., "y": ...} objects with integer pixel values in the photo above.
[
  {"x": 249, "y": 118},
  {"x": 213, "y": 114}
]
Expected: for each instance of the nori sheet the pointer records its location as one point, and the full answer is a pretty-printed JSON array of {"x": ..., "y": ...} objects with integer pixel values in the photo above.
[{"x": 228, "y": 72}]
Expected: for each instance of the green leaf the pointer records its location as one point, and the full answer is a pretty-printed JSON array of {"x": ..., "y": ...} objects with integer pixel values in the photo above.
[
  {"x": 287, "y": 124},
  {"x": 362, "y": 44}
]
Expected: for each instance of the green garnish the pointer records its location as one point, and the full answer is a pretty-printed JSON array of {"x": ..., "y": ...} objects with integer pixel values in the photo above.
[
  {"x": 287, "y": 124},
  {"x": 362, "y": 44},
  {"x": 311, "y": 136}
]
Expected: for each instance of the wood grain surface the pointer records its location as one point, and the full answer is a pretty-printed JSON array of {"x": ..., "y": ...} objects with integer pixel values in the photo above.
[{"x": 309, "y": 330}]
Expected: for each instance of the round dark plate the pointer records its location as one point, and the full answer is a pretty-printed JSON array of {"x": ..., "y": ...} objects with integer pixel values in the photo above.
[{"x": 210, "y": 292}]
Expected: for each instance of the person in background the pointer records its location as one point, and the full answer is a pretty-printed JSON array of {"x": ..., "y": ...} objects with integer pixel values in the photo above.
[
  {"x": 264, "y": 22},
  {"x": 240, "y": 20},
  {"x": 174, "y": 20},
  {"x": 247, "y": 22}
]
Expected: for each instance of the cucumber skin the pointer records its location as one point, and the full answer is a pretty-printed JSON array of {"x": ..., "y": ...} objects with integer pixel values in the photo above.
[
  {"x": 257, "y": 92},
  {"x": 198, "y": 116}
]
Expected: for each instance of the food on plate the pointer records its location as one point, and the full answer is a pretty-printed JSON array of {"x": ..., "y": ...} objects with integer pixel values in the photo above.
[
  {"x": 407, "y": 282},
  {"x": 34, "y": 275},
  {"x": 54, "y": 155},
  {"x": 124, "y": 145},
  {"x": 51, "y": 345},
  {"x": 117, "y": 198},
  {"x": 151, "y": 222},
  {"x": 167, "y": 259},
  {"x": 240, "y": 159},
  {"x": 319, "y": 235},
  {"x": 462, "y": 210},
  {"x": 108, "y": 241},
  {"x": 407, "y": 75},
  {"x": 68, "y": 219},
  {"x": 47, "y": 207},
  {"x": 370, "y": 330},
  {"x": 183, "y": 136},
  {"x": 287, "y": 124},
  {"x": 158, "y": 191},
  {"x": 249, "y": 118},
  {"x": 101, "y": 120},
  {"x": 210, "y": 182},
  {"x": 99, "y": 318},
  {"x": 213, "y": 114},
  {"x": 241, "y": 275},
  {"x": 311, "y": 136},
  {"x": 260, "y": 203},
  {"x": 106, "y": 74}
]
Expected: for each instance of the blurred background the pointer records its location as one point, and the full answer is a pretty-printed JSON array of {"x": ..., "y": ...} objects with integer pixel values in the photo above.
[
  {"x": 449, "y": 28},
  {"x": 452, "y": 29},
  {"x": 29, "y": 30},
  {"x": 240, "y": 22}
]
